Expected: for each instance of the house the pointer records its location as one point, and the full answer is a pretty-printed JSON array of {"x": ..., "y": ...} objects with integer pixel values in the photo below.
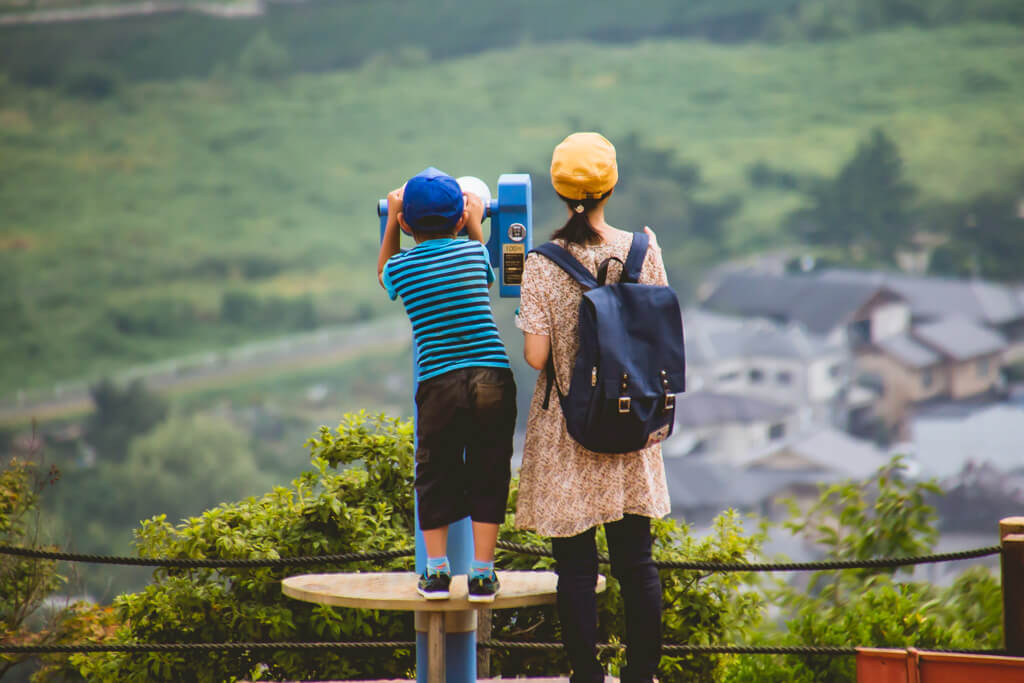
[
  {"x": 947, "y": 435},
  {"x": 821, "y": 449},
  {"x": 978, "y": 495},
  {"x": 995, "y": 306},
  {"x": 759, "y": 358},
  {"x": 914, "y": 339},
  {"x": 952, "y": 358},
  {"x": 840, "y": 311},
  {"x": 793, "y": 467},
  {"x": 725, "y": 428},
  {"x": 700, "y": 489}
]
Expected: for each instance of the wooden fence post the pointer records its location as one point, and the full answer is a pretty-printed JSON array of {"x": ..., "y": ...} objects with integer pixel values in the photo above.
[
  {"x": 1011, "y": 536},
  {"x": 483, "y": 655}
]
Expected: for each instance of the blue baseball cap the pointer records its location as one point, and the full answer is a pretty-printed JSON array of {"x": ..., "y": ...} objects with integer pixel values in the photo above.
[{"x": 432, "y": 201}]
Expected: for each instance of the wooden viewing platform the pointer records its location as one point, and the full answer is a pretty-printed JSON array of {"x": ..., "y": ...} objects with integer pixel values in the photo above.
[{"x": 397, "y": 591}]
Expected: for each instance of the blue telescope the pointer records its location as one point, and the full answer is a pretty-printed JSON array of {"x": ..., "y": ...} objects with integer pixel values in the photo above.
[
  {"x": 511, "y": 217},
  {"x": 510, "y": 240}
]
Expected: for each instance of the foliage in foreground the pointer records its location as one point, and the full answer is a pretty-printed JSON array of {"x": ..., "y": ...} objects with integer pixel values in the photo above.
[
  {"x": 27, "y": 583},
  {"x": 888, "y": 517},
  {"x": 367, "y": 504},
  {"x": 325, "y": 511}
]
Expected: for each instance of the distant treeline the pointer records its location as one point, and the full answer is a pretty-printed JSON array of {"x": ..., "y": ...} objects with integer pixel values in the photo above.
[{"x": 328, "y": 34}]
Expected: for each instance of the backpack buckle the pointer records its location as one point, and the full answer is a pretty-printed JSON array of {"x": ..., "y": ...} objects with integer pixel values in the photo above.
[
  {"x": 670, "y": 402},
  {"x": 624, "y": 404}
]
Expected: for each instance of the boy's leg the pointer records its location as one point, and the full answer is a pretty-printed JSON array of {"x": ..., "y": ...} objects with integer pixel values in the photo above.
[
  {"x": 492, "y": 407},
  {"x": 485, "y": 537},
  {"x": 492, "y": 404},
  {"x": 440, "y": 406},
  {"x": 436, "y": 541},
  {"x": 439, "y": 445}
]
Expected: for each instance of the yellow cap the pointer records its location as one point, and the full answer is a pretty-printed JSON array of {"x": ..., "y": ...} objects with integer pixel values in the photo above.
[{"x": 583, "y": 166}]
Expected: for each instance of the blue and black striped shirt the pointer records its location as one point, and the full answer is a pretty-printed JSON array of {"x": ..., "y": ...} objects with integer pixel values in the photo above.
[{"x": 443, "y": 284}]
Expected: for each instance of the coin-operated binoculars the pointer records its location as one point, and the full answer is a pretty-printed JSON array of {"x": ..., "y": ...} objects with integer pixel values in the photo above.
[
  {"x": 510, "y": 239},
  {"x": 511, "y": 217}
]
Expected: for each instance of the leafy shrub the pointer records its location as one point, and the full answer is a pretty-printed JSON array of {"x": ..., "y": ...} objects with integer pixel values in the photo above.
[
  {"x": 763, "y": 174},
  {"x": 274, "y": 313},
  {"x": 368, "y": 504},
  {"x": 976, "y": 81},
  {"x": 869, "y": 607},
  {"x": 163, "y": 317},
  {"x": 264, "y": 58},
  {"x": 323, "y": 511},
  {"x": 121, "y": 413},
  {"x": 91, "y": 81},
  {"x": 27, "y": 583}
]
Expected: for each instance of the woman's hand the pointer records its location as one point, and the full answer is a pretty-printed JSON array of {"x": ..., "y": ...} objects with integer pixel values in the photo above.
[{"x": 654, "y": 238}]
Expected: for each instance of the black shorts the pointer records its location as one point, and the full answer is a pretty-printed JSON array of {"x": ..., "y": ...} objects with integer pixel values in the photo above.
[{"x": 465, "y": 421}]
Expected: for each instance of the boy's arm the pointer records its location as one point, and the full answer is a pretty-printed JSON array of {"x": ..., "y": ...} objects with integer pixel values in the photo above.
[{"x": 390, "y": 244}]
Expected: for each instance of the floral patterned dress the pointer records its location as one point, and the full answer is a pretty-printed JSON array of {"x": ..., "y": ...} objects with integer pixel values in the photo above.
[{"x": 565, "y": 489}]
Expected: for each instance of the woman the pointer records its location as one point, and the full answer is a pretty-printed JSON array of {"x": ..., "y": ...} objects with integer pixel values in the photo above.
[{"x": 565, "y": 490}]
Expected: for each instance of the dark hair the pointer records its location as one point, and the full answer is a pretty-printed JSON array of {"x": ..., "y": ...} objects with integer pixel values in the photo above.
[
  {"x": 578, "y": 230},
  {"x": 435, "y": 224}
]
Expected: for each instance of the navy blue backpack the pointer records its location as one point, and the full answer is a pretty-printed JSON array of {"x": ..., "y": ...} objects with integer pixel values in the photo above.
[{"x": 631, "y": 362}]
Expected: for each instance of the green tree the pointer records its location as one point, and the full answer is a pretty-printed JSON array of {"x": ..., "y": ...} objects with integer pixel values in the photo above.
[
  {"x": 184, "y": 466},
  {"x": 365, "y": 505},
  {"x": 120, "y": 414},
  {"x": 263, "y": 57},
  {"x": 986, "y": 237},
  {"x": 866, "y": 207},
  {"x": 887, "y": 518},
  {"x": 27, "y": 583},
  {"x": 24, "y": 582}
]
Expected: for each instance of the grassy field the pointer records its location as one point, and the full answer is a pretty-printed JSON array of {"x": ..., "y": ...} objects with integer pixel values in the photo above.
[{"x": 156, "y": 200}]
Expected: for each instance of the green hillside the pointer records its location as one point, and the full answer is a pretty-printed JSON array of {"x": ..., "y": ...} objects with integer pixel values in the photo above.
[{"x": 152, "y": 219}]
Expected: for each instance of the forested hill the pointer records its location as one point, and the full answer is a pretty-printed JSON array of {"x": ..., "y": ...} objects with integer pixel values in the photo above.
[
  {"x": 329, "y": 34},
  {"x": 180, "y": 182}
]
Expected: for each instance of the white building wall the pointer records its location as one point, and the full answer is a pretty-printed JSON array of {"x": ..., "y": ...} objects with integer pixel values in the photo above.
[
  {"x": 826, "y": 376},
  {"x": 889, "y": 320},
  {"x": 729, "y": 443}
]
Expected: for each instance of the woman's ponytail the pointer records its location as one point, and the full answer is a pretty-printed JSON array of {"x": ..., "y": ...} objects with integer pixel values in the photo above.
[{"x": 578, "y": 230}]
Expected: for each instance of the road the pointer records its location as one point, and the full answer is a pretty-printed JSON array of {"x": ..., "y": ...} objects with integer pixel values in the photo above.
[{"x": 249, "y": 362}]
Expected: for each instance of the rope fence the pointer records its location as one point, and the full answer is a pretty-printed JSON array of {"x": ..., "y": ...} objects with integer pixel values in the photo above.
[
  {"x": 211, "y": 563},
  {"x": 668, "y": 648},
  {"x": 713, "y": 566}
]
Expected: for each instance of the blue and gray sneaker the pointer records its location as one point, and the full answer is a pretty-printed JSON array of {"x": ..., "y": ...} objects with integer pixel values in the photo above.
[
  {"x": 484, "y": 588},
  {"x": 434, "y": 585}
]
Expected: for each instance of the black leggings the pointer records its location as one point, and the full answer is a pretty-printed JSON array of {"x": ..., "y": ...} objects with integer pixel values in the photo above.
[{"x": 629, "y": 547}]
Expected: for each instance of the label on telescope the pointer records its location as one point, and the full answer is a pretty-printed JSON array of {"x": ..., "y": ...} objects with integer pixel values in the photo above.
[{"x": 513, "y": 259}]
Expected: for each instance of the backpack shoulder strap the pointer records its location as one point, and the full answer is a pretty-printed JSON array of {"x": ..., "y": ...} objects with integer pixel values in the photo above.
[
  {"x": 567, "y": 262},
  {"x": 635, "y": 260}
]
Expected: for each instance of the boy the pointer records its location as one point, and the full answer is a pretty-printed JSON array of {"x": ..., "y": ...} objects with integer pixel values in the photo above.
[{"x": 465, "y": 401}]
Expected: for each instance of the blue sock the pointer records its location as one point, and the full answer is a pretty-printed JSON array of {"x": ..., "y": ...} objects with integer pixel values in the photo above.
[
  {"x": 481, "y": 569},
  {"x": 438, "y": 565}
]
